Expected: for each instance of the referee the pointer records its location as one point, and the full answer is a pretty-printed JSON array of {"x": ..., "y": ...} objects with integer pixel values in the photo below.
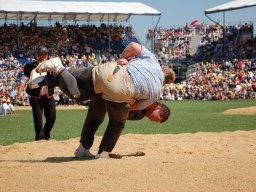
[{"x": 41, "y": 99}]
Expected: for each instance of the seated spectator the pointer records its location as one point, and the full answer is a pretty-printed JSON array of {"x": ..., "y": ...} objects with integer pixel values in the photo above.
[
  {"x": 11, "y": 107},
  {"x": 254, "y": 89},
  {"x": 4, "y": 108}
]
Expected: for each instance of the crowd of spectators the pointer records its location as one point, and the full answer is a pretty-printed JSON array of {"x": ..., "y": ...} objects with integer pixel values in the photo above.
[
  {"x": 217, "y": 76},
  {"x": 78, "y": 46},
  {"x": 213, "y": 46},
  {"x": 172, "y": 43},
  {"x": 221, "y": 75},
  {"x": 175, "y": 43},
  {"x": 216, "y": 80}
]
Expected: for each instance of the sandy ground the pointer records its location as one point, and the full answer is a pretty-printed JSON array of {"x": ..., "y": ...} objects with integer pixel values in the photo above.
[
  {"x": 242, "y": 111},
  {"x": 183, "y": 163},
  {"x": 59, "y": 107}
]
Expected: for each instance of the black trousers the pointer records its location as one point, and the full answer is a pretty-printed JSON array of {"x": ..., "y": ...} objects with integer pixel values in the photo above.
[
  {"x": 78, "y": 85},
  {"x": 39, "y": 106},
  {"x": 95, "y": 116}
]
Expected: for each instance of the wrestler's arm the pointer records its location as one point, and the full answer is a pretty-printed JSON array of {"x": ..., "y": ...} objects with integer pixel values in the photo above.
[
  {"x": 135, "y": 107},
  {"x": 132, "y": 50},
  {"x": 136, "y": 115}
]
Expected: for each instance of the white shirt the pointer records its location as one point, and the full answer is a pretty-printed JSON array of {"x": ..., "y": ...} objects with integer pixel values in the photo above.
[
  {"x": 5, "y": 106},
  {"x": 4, "y": 109},
  {"x": 11, "y": 107}
]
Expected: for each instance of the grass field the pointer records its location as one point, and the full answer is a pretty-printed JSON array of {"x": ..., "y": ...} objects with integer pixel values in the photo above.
[{"x": 187, "y": 117}]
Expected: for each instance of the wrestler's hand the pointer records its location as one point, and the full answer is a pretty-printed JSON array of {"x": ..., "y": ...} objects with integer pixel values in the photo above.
[{"x": 122, "y": 61}]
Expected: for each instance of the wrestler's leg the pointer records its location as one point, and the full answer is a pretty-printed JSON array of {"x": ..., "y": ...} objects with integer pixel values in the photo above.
[
  {"x": 77, "y": 84},
  {"x": 95, "y": 116},
  {"x": 84, "y": 82},
  {"x": 67, "y": 83},
  {"x": 118, "y": 114}
]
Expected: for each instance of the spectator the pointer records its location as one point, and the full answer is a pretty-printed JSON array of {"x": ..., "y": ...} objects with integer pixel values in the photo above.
[
  {"x": 4, "y": 108},
  {"x": 11, "y": 107}
]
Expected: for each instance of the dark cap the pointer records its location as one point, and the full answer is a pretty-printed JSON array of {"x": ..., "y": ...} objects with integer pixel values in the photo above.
[{"x": 42, "y": 50}]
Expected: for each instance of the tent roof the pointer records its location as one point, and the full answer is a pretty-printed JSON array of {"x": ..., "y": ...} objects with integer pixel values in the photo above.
[
  {"x": 235, "y": 4},
  {"x": 73, "y": 10}
]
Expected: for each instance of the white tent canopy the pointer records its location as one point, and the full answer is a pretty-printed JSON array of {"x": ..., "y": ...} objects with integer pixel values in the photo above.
[
  {"x": 73, "y": 10},
  {"x": 233, "y": 5}
]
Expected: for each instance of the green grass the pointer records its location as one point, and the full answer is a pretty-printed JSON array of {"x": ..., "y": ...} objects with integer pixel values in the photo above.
[{"x": 187, "y": 117}]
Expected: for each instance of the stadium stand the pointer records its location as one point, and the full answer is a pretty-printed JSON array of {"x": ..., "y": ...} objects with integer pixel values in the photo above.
[{"x": 207, "y": 74}]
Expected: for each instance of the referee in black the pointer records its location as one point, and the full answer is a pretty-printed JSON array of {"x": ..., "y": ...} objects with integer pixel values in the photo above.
[{"x": 41, "y": 99}]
